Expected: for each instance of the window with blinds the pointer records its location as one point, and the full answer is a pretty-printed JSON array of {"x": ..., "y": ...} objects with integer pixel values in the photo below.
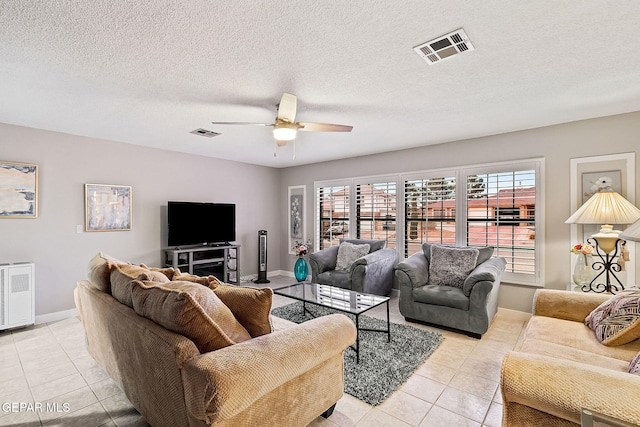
[
  {"x": 501, "y": 212},
  {"x": 333, "y": 214},
  {"x": 430, "y": 212},
  {"x": 376, "y": 211}
]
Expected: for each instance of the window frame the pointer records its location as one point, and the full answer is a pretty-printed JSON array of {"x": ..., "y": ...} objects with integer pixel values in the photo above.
[{"x": 460, "y": 173}]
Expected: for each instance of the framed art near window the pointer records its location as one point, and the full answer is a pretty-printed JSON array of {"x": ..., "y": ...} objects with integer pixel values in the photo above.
[
  {"x": 107, "y": 207},
  {"x": 18, "y": 190},
  {"x": 297, "y": 217},
  {"x": 587, "y": 175}
]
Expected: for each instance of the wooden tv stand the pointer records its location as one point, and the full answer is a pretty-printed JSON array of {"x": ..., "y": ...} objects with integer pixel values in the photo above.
[{"x": 220, "y": 261}]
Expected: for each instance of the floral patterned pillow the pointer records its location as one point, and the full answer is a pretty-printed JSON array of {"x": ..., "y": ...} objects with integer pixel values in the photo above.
[
  {"x": 617, "y": 320},
  {"x": 634, "y": 366}
]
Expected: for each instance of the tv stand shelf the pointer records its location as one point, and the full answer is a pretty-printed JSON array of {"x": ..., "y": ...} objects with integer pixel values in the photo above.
[{"x": 220, "y": 261}]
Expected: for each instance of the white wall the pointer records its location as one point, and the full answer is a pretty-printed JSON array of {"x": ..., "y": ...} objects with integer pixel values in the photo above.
[
  {"x": 557, "y": 144},
  {"x": 67, "y": 162}
]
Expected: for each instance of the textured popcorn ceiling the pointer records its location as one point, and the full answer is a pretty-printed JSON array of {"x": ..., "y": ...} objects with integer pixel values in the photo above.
[{"x": 148, "y": 72}]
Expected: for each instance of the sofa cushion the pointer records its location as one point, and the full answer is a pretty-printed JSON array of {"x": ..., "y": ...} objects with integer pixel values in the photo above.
[
  {"x": 447, "y": 296},
  {"x": 575, "y": 334},
  {"x": 451, "y": 266},
  {"x": 634, "y": 366},
  {"x": 617, "y": 320},
  {"x": 99, "y": 271},
  {"x": 560, "y": 351},
  {"x": 191, "y": 310},
  {"x": 250, "y": 306},
  {"x": 123, "y": 274},
  {"x": 341, "y": 279},
  {"x": 348, "y": 253},
  {"x": 374, "y": 245}
]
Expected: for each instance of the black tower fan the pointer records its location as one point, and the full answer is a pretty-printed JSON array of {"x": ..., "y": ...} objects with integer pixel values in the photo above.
[{"x": 262, "y": 257}]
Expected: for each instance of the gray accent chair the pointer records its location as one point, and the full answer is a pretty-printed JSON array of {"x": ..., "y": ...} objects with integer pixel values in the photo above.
[
  {"x": 448, "y": 306},
  {"x": 371, "y": 274}
]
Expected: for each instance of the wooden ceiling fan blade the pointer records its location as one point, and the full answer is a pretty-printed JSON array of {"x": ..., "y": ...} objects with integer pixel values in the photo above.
[
  {"x": 323, "y": 127},
  {"x": 242, "y": 123},
  {"x": 287, "y": 108}
]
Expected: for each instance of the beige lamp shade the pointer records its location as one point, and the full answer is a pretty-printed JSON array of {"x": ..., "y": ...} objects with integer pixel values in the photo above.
[
  {"x": 605, "y": 207},
  {"x": 632, "y": 233}
]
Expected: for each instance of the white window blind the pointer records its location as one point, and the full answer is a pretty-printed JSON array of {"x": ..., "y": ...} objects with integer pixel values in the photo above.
[
  {"x": 501, "y": 212},
  {"x": 376, "y": 211},
  {"x": 430, "y": 212},
  {"x": 333, "y": 214}
]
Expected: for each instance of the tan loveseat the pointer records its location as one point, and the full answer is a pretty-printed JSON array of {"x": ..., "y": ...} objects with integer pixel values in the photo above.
[
  {"x": 284, "y": 378},
  {"x": 559, "y": 367}
]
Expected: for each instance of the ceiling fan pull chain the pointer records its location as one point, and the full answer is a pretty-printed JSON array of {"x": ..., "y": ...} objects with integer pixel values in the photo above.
[
  {"x": 275, "y": 146},
  {"x": 294, "y": 149}
]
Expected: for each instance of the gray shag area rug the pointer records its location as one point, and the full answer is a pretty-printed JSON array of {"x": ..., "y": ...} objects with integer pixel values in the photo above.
[{"x": 384, "y": 366}]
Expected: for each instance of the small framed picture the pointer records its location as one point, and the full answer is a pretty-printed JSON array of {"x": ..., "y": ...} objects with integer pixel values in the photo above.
[
  {"x": 18, "y": 190},
  {"x": 107, "y": 207},
  {"x": 297, "y": 217}
]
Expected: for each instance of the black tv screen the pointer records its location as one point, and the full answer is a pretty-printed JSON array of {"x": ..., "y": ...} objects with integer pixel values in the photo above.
[{"x": 192, "y": 223}]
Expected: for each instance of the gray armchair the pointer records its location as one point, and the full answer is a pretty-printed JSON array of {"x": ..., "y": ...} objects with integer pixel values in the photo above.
[
  {"x": 372, "y": 273},
  {"x": 469, "y": 309}
]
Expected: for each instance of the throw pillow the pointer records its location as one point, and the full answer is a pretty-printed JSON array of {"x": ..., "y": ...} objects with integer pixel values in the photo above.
[
  {"x": 191, "y": 310},
  {"x": 617, "y": 320},
  {"x": 99, "y": 271},
  {"x": 170, "y": 272},
  {"x": 209, "y": 281},
  {"x": 251, "y": 306},
  {"x": 121, "y": 278},
  {"x": 634, "y": 366},
  {"x": 348, "y": 253},
  {"x": 484, "y": 253},
  {"x": 451, "y": 266},
  {"x": 374, "y": 245}
]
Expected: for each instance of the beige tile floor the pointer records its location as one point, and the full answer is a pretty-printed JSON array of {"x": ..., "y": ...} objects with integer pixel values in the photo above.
[{"x": 457, "y": 386}]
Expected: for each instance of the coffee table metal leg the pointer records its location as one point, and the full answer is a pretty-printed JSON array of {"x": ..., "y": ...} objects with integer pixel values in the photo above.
[
  {"x": 357, "y": 339},
  {"x": 388, "y": 324}
]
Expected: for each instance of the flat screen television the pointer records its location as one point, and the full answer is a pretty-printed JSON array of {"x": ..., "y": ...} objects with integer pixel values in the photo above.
[{"x": 193, "y": 223}]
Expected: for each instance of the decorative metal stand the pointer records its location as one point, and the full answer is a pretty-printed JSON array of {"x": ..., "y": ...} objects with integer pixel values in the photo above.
[{"x": 608, "y": 267}]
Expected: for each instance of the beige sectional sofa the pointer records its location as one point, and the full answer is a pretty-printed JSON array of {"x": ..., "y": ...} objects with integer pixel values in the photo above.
[
  {"x": 559, "y": 367},
  {"x": 287, "y": 377}
]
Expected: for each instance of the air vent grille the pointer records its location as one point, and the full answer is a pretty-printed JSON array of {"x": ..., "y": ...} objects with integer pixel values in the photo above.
[
  {"x": 444, "y": 46},
  {"x": 204, "y": 132}
]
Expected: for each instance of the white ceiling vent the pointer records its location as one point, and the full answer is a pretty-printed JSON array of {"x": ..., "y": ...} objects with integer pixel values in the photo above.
[
  {"x": 444, "y": 46},
  {"x": 205, "y": 133}
]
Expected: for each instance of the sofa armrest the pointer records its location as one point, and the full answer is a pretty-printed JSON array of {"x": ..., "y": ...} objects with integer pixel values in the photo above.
[
  {"x": 414, "y": 269},
  {"x": 489, "y": 271},
  {"x": 322, "y": 261},
  {"x": 220, "y": 384},
  {"x": 373, "y": 273},
  {"x": 567, "y": 305},
  {"x": 561, "y": 388}
]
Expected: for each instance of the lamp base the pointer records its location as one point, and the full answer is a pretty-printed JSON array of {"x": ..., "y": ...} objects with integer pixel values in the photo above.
[{"x": 607, "y": 267}]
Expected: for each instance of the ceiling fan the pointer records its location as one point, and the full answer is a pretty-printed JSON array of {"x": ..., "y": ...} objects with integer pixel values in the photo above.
[{"x": 285, "y": 128}]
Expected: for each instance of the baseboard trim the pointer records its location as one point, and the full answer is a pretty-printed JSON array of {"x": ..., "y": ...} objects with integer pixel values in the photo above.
[
  {"x": 54, "y": 317},
  {"x": 523, "y": 314}
]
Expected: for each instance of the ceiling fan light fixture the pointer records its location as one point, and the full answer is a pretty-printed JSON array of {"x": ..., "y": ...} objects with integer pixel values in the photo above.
[{"x": 285, "y": 131}]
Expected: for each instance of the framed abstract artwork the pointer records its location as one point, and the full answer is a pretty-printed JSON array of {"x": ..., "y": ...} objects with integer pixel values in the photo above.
[
  {"x": 18, "y": 190},
  {"x": 107, "y": 207},
  {"x": 297, "y": 217}
]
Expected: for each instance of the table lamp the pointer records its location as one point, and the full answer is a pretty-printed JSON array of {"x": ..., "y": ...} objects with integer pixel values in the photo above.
[{"x": 606, "y": 207}]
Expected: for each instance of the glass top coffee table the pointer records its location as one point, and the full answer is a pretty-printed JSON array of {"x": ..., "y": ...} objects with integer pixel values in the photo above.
[{"x": 339, "y": 299}]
